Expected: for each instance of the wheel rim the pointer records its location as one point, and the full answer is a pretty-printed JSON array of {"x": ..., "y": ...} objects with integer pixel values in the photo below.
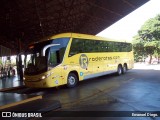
[
  {"x": 71, "y": 80},
  {"x": 124, "y": 69},
  {"x": 120, "y": 70}
]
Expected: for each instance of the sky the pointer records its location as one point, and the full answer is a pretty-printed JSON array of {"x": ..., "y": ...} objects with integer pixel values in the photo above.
[{"x": 128, "y": 26}]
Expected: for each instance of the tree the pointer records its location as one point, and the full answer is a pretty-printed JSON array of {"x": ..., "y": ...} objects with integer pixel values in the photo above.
[
  {"x": 139, "y": 51},
  {"x": 147, "y": 41}
]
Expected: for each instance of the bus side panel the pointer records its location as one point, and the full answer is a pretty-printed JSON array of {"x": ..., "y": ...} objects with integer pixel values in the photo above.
[
  {"x": 56, "y": 78},
  {"x": 103, "y": 63},
  {"x": 131, "y": 60},
  {"x": 79, "y": 63}
]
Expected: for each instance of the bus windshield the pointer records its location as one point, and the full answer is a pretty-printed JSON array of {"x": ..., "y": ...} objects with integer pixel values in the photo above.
[{"x": 43, "y": 56}]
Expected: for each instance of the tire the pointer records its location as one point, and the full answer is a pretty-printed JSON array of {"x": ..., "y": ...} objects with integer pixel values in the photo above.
[
  {"x": 119, "y": 70},
  {"x": 72, "y": 80},
  {"x": 124, "y": 68}
]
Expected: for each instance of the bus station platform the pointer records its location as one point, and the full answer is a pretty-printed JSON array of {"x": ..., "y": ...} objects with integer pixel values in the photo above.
[
  {"x": 9, "y": 83},
  {"x": 22, "y": 102},
  {"x": 12, "y": 99}
]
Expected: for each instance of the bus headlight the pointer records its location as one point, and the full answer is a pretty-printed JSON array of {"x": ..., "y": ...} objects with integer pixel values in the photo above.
[{"x": 43, "y": 77}]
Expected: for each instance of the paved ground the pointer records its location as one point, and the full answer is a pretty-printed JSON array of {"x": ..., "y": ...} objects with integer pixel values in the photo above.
[{"x": 137, "y": 90}]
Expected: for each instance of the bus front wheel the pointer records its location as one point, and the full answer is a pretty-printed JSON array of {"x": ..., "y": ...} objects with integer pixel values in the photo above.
[{"x": 72, "y": 80}]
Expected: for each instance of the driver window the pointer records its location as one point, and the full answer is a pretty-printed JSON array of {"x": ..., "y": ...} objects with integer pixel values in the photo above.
[{"x": 52, "y": 58}]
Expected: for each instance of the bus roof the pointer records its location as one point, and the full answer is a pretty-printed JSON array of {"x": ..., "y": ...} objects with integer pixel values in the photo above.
[{"x": 78, "y": 35}]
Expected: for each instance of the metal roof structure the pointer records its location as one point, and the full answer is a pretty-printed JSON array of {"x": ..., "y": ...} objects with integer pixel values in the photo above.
[{"x": 25, "y": 21}]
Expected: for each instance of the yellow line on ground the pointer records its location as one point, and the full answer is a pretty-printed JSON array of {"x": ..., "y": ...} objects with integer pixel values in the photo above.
[
  {"x": 20, "y": 102},
  {"x": 12, "y": 88}
]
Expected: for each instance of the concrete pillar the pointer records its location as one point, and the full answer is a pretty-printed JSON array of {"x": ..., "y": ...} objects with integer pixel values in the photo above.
[{"x": 19, "y": 67}]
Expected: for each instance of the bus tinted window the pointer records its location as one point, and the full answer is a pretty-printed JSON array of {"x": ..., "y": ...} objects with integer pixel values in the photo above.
[{"x": 91, "y": 46}]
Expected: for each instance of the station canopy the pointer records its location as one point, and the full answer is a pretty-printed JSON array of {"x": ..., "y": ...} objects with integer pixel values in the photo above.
[{"x": 25, "y": 21}]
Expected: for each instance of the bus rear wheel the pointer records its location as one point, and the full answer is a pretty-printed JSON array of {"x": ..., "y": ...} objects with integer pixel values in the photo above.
[
  {"x": 124, "y": 68},
  {"x": 72, "y": 80},
  {"x": 119, "y": 70}
]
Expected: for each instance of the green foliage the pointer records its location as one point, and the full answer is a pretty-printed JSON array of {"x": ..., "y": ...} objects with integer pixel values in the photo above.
[
  {"x": 147, "y": 41},
  {"x": 0, "y": 61}
]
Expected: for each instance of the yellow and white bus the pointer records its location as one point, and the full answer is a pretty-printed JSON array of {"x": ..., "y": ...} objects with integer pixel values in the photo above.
[{"x": 70, "y": 57}]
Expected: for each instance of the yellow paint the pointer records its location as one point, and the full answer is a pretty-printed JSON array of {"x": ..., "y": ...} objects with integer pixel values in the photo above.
[
  {"x": 97, "y": 63},
  {"x": 20, "y": 102}
]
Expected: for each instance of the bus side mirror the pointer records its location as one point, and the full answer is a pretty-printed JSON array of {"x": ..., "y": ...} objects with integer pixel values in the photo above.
[{"x": 46, "y": 47}]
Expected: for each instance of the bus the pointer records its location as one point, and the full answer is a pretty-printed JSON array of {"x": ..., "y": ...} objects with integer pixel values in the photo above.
[{"x": 67, "y": 58}]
